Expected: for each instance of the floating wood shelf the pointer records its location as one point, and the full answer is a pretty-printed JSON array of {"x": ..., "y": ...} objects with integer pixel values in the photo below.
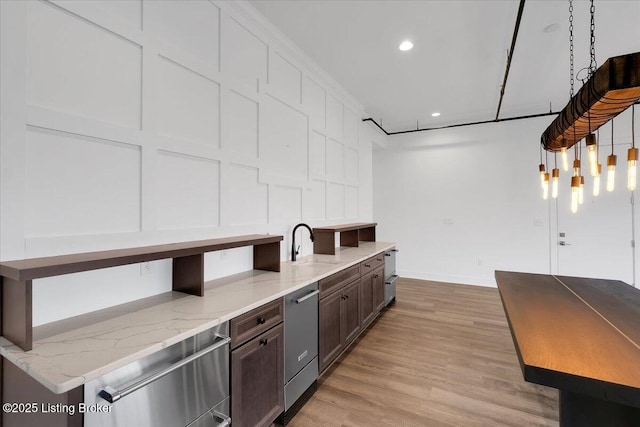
[
  {"x": 350, "y": 235},
  {"x": 188, "y": 272},
  {"x": 611, "y": 90}
]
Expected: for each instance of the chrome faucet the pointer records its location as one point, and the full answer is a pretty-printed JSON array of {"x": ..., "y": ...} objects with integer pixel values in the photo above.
[{"x": 295, "y": 251}]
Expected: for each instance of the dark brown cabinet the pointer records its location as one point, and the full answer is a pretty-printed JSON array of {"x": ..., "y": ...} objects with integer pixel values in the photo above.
[
  {"x": 378, "y": 289},
  {"x": 351, "y": 311},
  {"x": 371, "y": 295},
  {"x": 340, "y": 322},
  {"x": 330, "y": 325},
  {"x": 257, "y": 366},
  {"x": 367, "y": 304}
]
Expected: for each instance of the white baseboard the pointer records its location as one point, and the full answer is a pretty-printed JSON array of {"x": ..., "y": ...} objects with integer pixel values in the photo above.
[{"x": 464, "y": 280}]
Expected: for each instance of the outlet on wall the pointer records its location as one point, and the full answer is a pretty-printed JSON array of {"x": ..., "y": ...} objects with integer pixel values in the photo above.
[{"x": 146, "y": 268}]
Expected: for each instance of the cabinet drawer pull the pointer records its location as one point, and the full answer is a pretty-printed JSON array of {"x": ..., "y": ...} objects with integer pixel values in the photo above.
[
  {"x": 263, "y": 341},
  {"x": 367, "y": 265},
  {"x": 375, "y": 276},
  {"x": 379, "y": 259},
  {"x": 261, "y": 320},
  {"x": 387, "y": 254}
]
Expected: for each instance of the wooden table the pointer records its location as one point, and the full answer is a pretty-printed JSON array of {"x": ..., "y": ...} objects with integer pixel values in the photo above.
[{"x": 581, "y": 336}]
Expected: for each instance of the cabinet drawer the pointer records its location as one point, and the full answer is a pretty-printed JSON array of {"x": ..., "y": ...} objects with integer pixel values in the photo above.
[
  {"x": 258, "y": 320},
  {"x": 372, "y": 263},
  {"x": 334, "y": 282}
]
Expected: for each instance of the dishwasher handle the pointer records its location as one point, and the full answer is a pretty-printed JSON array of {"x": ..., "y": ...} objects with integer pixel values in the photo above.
[
  {"x": 306, "y": 297},
  {"x": 112, "y": 395}
]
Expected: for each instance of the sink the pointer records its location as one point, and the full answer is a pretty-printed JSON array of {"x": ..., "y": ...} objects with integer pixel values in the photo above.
[{"x": 314, "y": 260}]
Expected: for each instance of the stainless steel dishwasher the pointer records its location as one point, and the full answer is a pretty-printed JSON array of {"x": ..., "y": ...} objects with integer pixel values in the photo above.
[
  {"x": 186, "y": 384},
  {"x": 300, "y": 349}
]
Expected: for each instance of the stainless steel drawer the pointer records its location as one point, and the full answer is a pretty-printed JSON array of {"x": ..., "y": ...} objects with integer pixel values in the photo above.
[
  {"x": 170, "y": 388},
  {"x": 390, "y": 262},
  {"x": 216, "y": 417},
  {"x": 390, "y": 289}
]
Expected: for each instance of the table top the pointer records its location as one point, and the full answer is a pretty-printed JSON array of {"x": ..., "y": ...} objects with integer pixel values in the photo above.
[{"x": 575, "y": 334}]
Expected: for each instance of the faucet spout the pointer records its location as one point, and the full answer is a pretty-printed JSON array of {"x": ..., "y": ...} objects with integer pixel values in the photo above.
[{"x": 294, "y": 251}]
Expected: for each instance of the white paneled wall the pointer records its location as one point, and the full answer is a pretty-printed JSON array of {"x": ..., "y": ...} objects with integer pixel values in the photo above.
[{"x": 129, "y": 123}]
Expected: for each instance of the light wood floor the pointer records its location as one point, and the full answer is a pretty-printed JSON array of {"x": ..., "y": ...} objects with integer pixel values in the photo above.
[{"x": 441, "y": 355}]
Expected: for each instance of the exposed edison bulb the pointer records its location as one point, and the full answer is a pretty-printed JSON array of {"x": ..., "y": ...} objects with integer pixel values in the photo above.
[
  {"x": 555, "y": 177},
  {"x": 581, "y": 190},
  {"x": 596, "y": 182},
  {"x": 632, "y": 159},
  {"x": 593, "y": 154},
  {"x": 545, "y": 186},
  {"x": 575, "y": 185},
  {"x": 611, "y": 172},
  {"x": 564, "y": 155},
  {"x": 541, "y": 168}
]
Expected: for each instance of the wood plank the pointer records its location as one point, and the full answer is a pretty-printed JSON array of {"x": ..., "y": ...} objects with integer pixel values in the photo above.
[
  {"x": 441, "y": 355},
  {"x": 267, "y": 257},
  {"x": 615, "y": 300},
  {"x": 346, "y": 227},
  {"x": 324, "y": 242},
  {"x": 34, "y": 268},
  {"x": 562, "y": 343},
  {"x": 367, "y": 234},
  {"x": 188, "y": 274},
  {"x": 611, "y": 90},
  {"x": 349, "y": 238},
  {"x": 17, "y": 306}
]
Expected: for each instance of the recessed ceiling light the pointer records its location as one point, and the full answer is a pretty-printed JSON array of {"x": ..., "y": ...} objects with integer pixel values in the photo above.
[
  {"x": 405, "y": 45},
  {"x": 436, "y": 114}
]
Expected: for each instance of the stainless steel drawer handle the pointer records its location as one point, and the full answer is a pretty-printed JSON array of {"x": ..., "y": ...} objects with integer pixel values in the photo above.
[
  {"x": 112, "y": 395},
  {"x": 306, "y": 297},
  {"x": 226, "y": 421}
]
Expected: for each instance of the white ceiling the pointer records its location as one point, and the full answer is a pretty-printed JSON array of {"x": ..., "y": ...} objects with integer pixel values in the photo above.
[{"x": 460, "y": 50}]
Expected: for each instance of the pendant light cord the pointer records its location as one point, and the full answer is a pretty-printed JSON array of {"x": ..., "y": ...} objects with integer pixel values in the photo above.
[
  {"x": 612, "y": 137},
  {"x": 571, "y": 48},
  {"x": 592, "y": 65},
  {"x": 633, "y": 126}
]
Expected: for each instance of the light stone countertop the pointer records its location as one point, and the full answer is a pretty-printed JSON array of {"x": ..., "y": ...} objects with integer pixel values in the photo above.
[{"x": 65, "y": 357}]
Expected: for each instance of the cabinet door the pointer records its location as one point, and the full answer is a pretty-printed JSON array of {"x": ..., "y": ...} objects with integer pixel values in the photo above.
[
  {"x": 257, "y": 379},
  {"x": 331, "y": 339},
  {"x": 366, "y": 299},
  {"x": 378, "y": 289},
  {"x": 351, "y": 311}
]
